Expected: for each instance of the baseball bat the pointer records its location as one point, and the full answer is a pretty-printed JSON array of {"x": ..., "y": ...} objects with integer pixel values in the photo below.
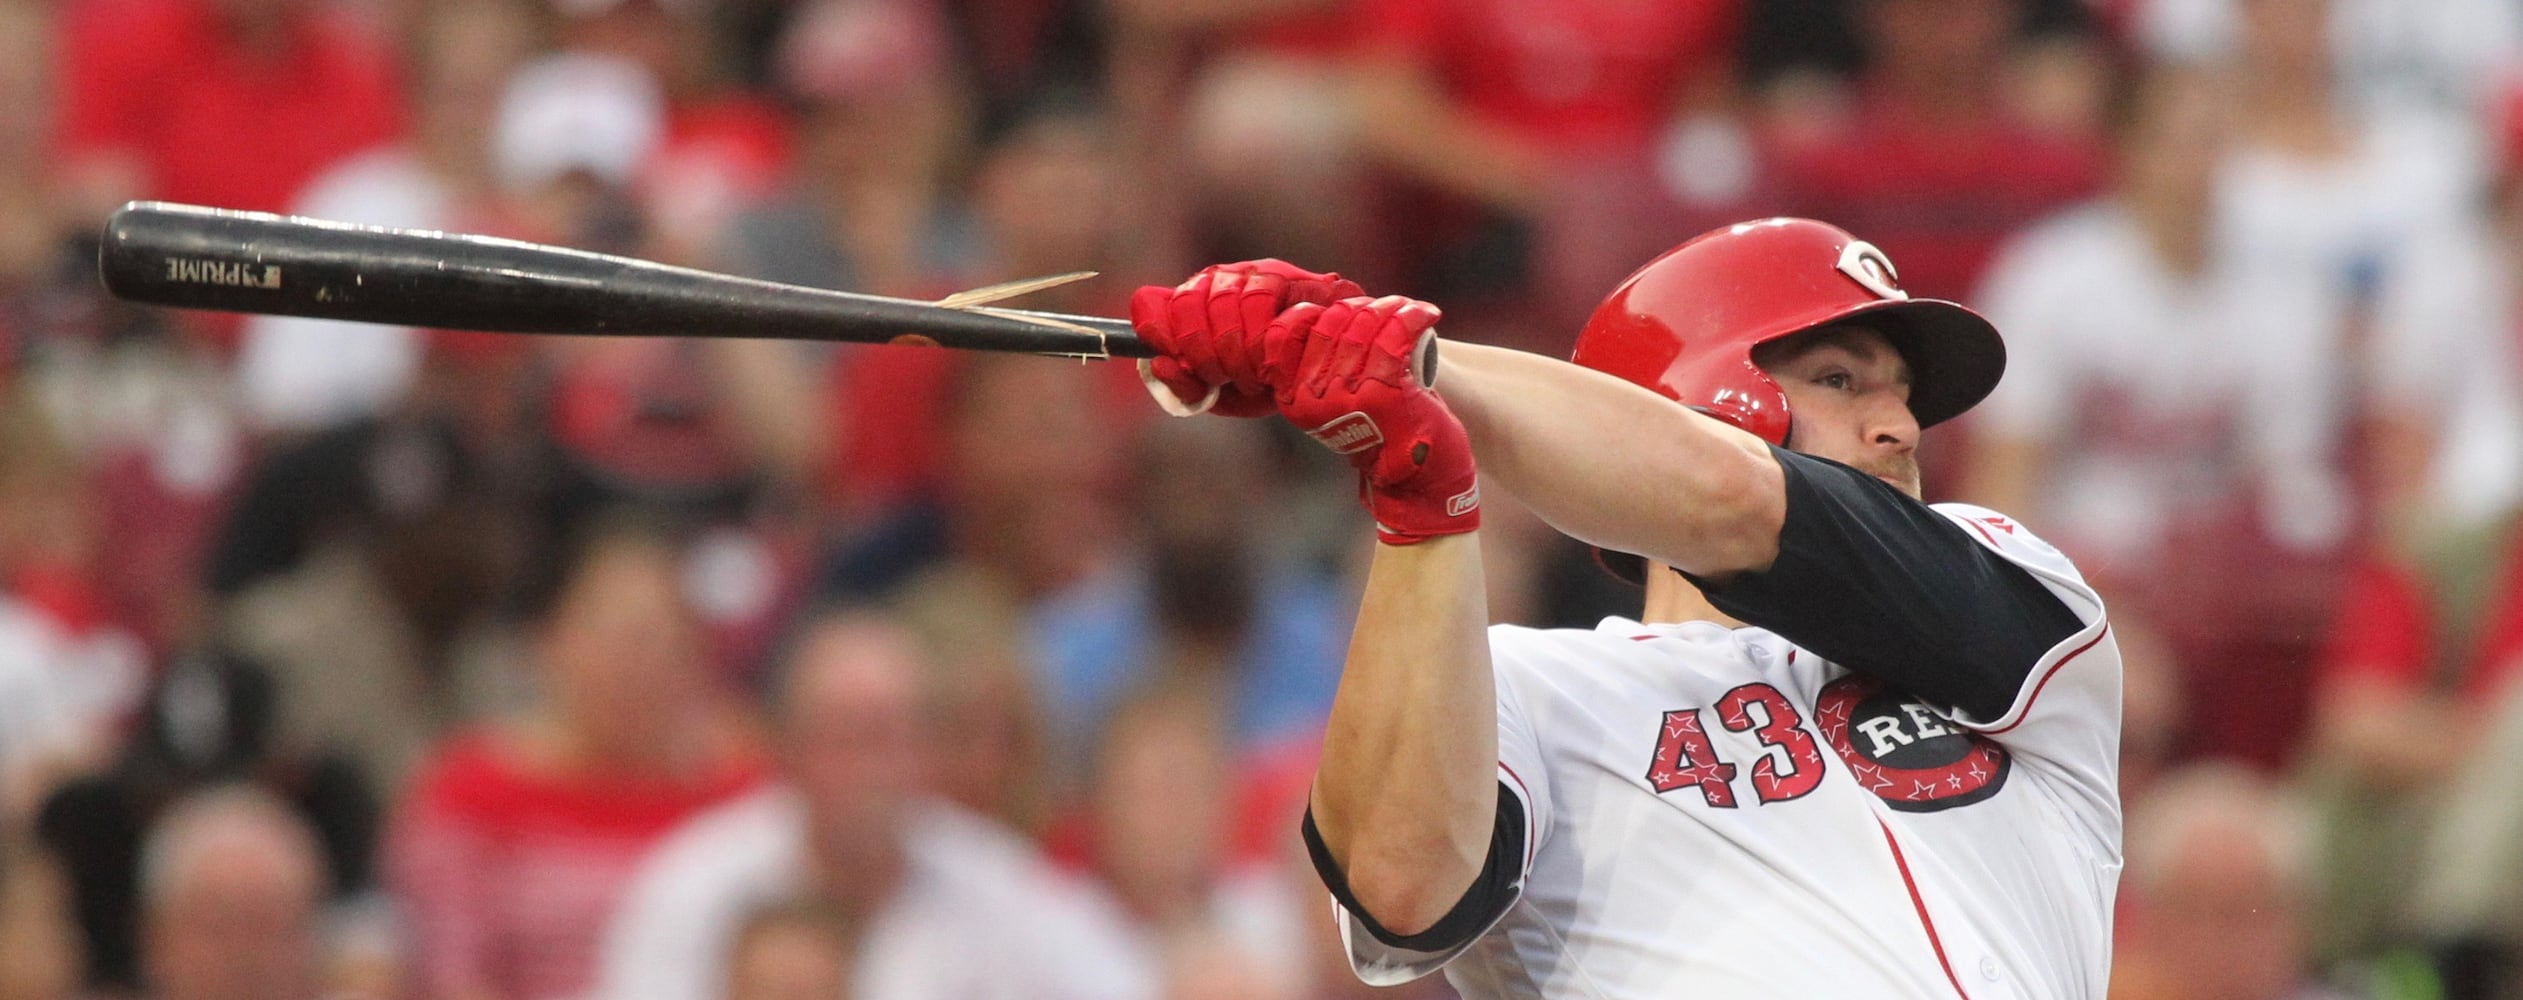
[{"x": 194, "y": 257}]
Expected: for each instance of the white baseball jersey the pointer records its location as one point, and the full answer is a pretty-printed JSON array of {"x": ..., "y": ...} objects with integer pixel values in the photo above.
[{"x": 1715, "y": 812}]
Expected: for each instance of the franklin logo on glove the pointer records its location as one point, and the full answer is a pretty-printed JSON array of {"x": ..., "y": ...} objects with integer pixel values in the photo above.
[{"x": 1348, "y": 433}]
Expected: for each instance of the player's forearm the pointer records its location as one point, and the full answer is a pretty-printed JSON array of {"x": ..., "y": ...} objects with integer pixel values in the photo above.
[
  {"x": 1615, "y": 465},
  {"x": 1406, "y": 794}
]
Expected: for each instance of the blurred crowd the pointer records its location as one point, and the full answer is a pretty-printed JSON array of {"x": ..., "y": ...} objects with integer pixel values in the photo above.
[{"x": 388, "y": 663}]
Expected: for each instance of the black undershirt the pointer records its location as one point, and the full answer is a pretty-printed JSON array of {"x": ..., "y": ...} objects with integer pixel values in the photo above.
[
  {"x": 1866, "y": 577},
  {"x": 1877, "y": 582}
]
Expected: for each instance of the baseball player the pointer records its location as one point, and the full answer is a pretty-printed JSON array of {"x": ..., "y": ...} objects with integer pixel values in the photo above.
[{"x": 1856, "y": 745}]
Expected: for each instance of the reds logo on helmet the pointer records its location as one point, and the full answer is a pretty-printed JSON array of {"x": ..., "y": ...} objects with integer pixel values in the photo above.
[{"x": 1870, "y": 268}]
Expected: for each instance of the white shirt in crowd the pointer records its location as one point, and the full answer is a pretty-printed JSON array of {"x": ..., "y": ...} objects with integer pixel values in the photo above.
[
  {"x": 61, "y": 696},
  {"x": 978, "y": 916},
  {"x": 2395, "y": 57},
  {"x": 297, "y": 373},
  {"x": 2156, "y": 389},
  {"x": 2094, "y": 321}
]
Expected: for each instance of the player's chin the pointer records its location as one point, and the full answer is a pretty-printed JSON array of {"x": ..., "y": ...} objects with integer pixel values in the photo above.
[{"x": 1903, "y": 476}]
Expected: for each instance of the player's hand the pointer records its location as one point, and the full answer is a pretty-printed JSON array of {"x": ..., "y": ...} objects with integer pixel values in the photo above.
[
  {"x": 1208, "y": 331},
  {"x": 1343, "y": 375}
]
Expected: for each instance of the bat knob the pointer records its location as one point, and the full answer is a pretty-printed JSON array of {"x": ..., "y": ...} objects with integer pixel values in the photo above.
[{"x": 1423, "y": 359}]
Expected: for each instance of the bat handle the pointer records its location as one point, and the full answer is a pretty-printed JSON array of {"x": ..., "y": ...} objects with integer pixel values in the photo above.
[
  {"x": 1423, "y": 364},
  {"x": 1423, "y": 361}
]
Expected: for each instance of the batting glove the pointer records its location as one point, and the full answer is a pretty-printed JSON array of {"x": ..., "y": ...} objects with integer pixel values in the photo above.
[
  {"x": 1209, "y": 332},
  {"x": 1344, "y": 376}
]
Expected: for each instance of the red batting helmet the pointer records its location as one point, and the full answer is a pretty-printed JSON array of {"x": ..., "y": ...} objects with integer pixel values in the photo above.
[{"x": 1685, "y": 326}]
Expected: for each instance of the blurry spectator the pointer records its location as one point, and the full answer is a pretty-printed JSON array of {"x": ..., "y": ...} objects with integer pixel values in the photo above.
[
  {"x": 2114, "y": 418},
  {"x": 229, "y": 887},
  {"x": 1042, "y": 200},
  {"x": 33, "y": 223},
  {"x": 633, "y": 419},
  {"x": 2397, "y": 715},
  {"x": 39, "y": 948},
  {"x": 1206, "y": 600},
  {"x": 851, "y": 825},
  {"x": 720, "y": 147},
  {"x": 1787, "y": 39},
  {"x": 1051, "y": 197},
  {"x": 1205, "y": 964},
  {"x": 2328, "y": 223},
  {"x": 2421, "y": 726},
  {"x": 2329, "y": 216},
  {"x": 356, "y": 561},
  {"x": 2217, "y": 898},
  {"x": 865, "y": 206},
  {"x": 982, "y": 688},
  {"x": 2153, "y": 709},
  {"x": 1525, "y": 131},
  {"x": 296, "y": 81},
  {"x": 1020, "y": 51},
  {"x": 794, "y": 951},
  {"x": 70, "y": 675},
  {"x": 2208, "y": 363},
  {"x": 1159, "y": 808},
  {"x": 570, "y": 136},
  {"x": 516, "y": 839},
  {"x": 656, "y": 422},
  {"x": 1931, "y": 161},
  {"x": 300, "y": 374},
  {"x": 1266, "y": 126},
  {"x": 1006, "y": 462},
  {"x": 209, "y": 721},
  {"x": 2439, "y": 58}
]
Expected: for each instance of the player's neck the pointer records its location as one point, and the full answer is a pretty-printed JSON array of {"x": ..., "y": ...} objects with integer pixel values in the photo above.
[{"x": 1672, "y": 600}]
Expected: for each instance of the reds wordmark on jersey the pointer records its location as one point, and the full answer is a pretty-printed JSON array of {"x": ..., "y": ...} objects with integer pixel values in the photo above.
[{"x": 1716, "y": 812}]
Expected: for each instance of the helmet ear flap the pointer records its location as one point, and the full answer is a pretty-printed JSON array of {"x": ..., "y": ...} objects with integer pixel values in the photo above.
[{"x": 1749, "y": 398}]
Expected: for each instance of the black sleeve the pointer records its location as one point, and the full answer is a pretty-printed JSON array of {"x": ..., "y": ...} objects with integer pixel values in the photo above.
[
  {"x": 1875, "y": 581},
  {"x": 1489, "y": 895}
]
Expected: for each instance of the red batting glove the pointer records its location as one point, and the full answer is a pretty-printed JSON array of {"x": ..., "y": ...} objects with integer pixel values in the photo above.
[
  {"x": 1343, "y": 374},
  {"x": 1208, "y": 331}
]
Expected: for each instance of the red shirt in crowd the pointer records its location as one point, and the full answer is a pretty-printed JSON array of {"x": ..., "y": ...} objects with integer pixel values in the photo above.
[
  {"x": 1575, "y": 76},
  {"x": 892, "y": 404},
  {"x": 2389, "y": 629},
  {"x": 1937, "y": 197},
  {"x": 209, "y": 121},
  {"x": 509, "y": 873}
]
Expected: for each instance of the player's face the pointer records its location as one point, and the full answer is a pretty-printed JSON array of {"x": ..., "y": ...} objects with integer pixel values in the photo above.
[{"x": 1848, "y": 395}]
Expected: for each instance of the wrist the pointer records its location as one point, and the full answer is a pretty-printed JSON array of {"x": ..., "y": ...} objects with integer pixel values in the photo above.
[{"x": 1418, "y": 512}]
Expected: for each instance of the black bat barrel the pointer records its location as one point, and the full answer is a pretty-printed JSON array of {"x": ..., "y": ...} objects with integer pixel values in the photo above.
[{"x": 204, "y": 258}]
